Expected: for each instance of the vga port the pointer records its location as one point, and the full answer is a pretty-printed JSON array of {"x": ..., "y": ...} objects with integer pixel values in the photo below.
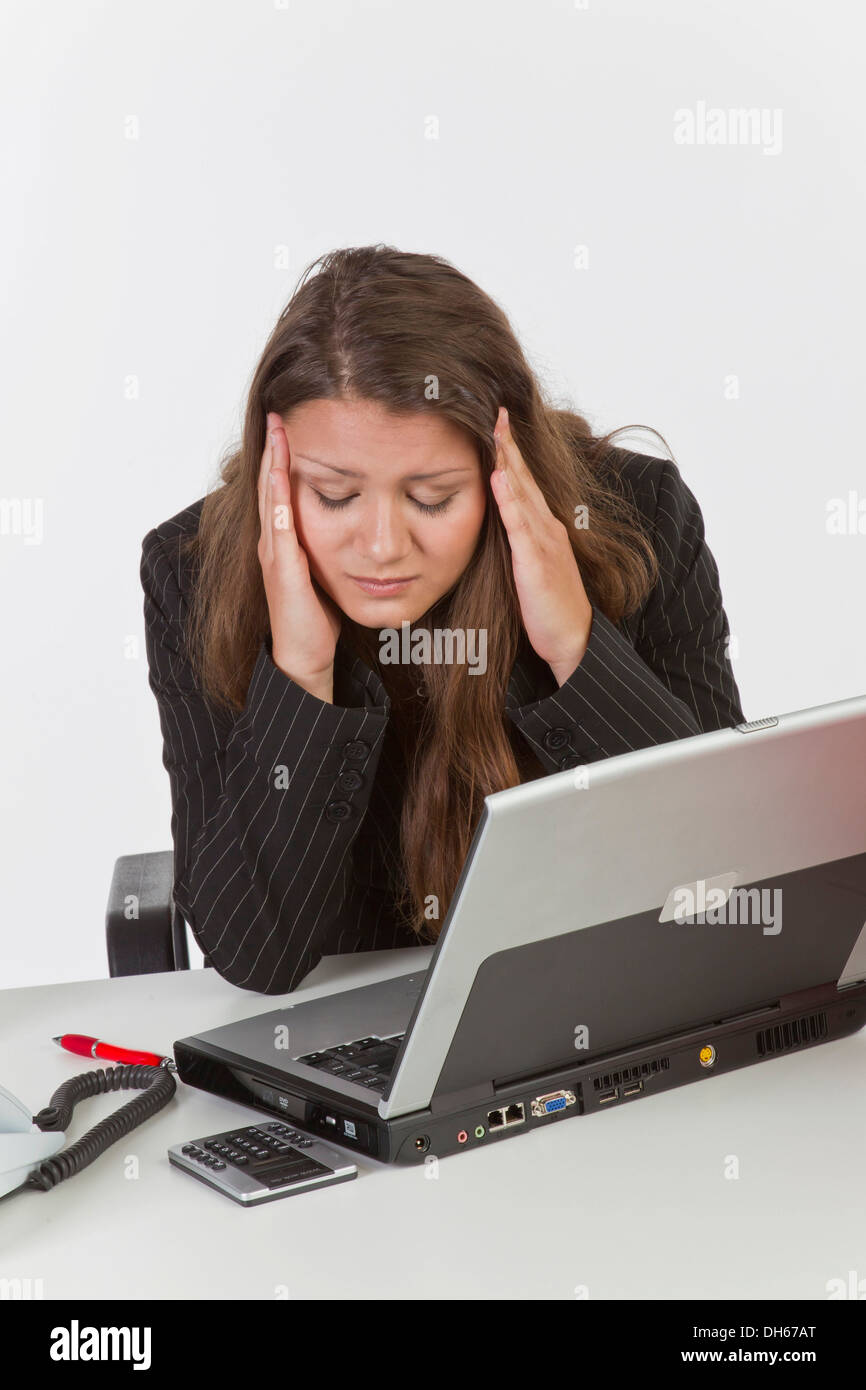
[{"x": 555, "y": 1100}]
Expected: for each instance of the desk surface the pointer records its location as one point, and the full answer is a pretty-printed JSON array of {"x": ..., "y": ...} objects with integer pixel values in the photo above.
[{"x": 633, "y": 1203}]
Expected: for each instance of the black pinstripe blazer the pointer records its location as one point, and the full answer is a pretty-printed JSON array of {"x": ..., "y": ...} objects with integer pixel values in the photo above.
[{"x": 285, "y": 816}]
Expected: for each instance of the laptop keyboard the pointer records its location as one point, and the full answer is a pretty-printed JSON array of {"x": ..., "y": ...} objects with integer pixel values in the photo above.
[{"x": 367, "y": 1061}]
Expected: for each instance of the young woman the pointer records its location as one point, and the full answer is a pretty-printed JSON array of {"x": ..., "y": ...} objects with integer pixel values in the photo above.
[{"x": 402, "y": 481}]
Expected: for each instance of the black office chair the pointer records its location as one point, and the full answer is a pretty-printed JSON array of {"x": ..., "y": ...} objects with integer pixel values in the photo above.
[{"x": 144, "y": 931}]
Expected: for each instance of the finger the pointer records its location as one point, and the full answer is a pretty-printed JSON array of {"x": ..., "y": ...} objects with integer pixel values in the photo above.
[
  {"x": 281, "y": 495},
  {"x": 266, "y": 549},
  {"x": 523, "y": 484},
  {"x": 262, "y": 485},
  {"x": 523, "y": 520},
  {"x": 287, "y": 551},
  {"x": 282, "y": 520},
  {"x": 279, "y": 450},
  {"x": 514, "y": 515}
]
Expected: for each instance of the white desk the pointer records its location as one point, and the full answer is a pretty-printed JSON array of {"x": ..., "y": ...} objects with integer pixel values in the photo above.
[{"x": 632, "y": 1203}]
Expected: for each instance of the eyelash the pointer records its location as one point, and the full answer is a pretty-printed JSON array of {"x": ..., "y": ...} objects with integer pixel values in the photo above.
[{"x": 333, "y": 504}]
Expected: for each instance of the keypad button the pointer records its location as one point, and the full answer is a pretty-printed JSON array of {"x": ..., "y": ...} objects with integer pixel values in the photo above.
[{"x": 377, "y": 1056}]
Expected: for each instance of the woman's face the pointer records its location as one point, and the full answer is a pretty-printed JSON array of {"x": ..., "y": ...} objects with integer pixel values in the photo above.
[{"x": 363, "y": 481}]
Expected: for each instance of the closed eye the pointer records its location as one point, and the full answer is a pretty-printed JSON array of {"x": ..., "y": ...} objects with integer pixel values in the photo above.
[{"x": 333, "y": 504}]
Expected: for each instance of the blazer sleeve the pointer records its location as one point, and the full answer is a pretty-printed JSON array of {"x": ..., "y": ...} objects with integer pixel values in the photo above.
[
  {"x": 266, "y": 803},
  {"x": 674, "y": 681}
]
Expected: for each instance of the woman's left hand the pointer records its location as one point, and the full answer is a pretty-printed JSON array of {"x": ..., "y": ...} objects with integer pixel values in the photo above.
[{"x": 557, "y": 613}]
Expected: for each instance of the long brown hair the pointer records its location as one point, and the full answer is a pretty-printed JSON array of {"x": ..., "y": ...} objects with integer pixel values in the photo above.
[{"x": 413, "y": 333}]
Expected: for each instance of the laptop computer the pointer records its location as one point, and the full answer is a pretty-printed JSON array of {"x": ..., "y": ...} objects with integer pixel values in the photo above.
[{"x": 657, "y": 918}]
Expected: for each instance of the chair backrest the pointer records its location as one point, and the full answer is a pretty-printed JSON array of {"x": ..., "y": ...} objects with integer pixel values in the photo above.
[{"x": 144, "y": 931}]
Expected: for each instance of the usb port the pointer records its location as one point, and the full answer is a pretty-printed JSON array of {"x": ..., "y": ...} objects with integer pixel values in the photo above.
[
  {"x": 607, "y": 1096},
  {"x": 633, "y": 1090}
]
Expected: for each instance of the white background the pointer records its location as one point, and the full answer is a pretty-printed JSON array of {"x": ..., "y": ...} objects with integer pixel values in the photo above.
[{"x": 266, "y": 135}]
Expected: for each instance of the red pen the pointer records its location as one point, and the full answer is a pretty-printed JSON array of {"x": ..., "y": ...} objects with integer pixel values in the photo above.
[{"x": 92, "y": 1047}]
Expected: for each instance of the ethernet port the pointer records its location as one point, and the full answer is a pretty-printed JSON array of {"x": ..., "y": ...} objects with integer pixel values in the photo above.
[
  {"x": 495, "y": 1119},
  {"x": 514, "y": 1114}
]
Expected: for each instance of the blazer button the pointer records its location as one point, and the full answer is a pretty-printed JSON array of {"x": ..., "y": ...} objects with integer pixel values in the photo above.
[
  {"x": 338, "y": 810},
  {"x": 350, "y": 780},
  {"x": 566, "y": 760},
  {"x": 555, "y": 739},
  {"x": 356, "y": 750}
]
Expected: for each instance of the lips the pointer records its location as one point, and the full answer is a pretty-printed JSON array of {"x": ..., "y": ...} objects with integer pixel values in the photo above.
[{"x": 382, "y": 587}]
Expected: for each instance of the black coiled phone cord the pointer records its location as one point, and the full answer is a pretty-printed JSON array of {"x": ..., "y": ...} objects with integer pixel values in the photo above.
[{"x": 158, "y": 1086}]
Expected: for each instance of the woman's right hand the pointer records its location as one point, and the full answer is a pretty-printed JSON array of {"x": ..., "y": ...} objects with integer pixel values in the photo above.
[{"x": 305, "y": 623}]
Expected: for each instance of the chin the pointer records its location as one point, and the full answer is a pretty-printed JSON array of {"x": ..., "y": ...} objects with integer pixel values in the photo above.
[{"x": 382, "y": 612}]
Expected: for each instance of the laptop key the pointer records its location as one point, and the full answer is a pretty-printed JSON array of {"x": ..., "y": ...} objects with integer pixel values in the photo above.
[{"x": 377, "y": 1057}]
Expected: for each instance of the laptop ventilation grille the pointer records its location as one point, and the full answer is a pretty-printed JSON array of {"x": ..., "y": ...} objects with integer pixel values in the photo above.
[
  {"x": 799, "y": 1032},
  {"x": 614, "y": 1078}
]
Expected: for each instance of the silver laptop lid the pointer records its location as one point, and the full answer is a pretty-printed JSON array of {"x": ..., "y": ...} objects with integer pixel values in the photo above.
[{"x": 626, "y": 835}]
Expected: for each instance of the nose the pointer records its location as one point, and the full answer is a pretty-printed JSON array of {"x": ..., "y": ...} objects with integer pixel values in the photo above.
[{"x": 384, "y": 536}]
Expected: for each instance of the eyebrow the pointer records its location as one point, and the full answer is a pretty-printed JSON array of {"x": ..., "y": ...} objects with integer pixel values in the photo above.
[{"x": 408, "y": 478}]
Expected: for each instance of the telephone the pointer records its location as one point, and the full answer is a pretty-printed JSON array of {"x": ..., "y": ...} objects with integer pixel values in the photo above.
[{"x": 31, "y": 1146}]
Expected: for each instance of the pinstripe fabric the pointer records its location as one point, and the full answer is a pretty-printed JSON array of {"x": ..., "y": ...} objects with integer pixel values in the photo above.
[{"x": 285, "y": 816}]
